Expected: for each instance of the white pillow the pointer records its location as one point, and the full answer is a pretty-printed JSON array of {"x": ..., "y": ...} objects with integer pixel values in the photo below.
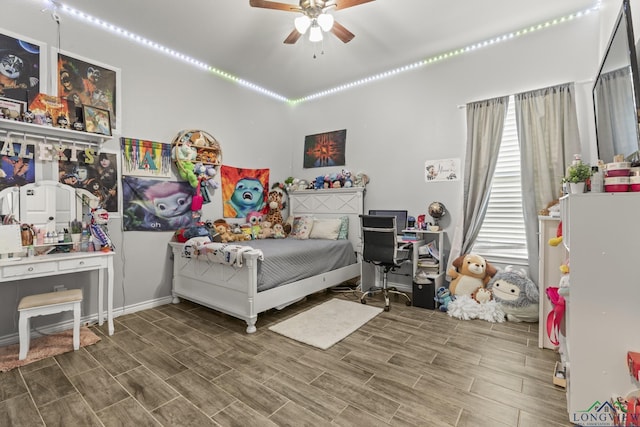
[
  {"x": 325, "y": 229},
  {"x": 301, "y": 227}
]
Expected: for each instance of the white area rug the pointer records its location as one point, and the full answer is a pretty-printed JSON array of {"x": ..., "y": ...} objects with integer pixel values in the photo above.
[{"x": 326, "y": 324}]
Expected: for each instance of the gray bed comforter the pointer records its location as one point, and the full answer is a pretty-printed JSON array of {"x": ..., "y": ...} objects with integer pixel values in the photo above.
[{"x": 289, "y": 260}]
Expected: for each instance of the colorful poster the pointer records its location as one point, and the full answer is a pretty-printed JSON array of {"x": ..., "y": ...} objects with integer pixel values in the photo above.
[
  {"x": 243, "y": 190},
  {"x": 325, "y": 149},
  {"x": 20, "y": 64},
  {"x": 16, "y": 168},
  {"x": 145, "y": 158},
  {"x": 96, "y": 173},
  {"x": 86, "y": 83},
  {"x": 156, "y": 205}
]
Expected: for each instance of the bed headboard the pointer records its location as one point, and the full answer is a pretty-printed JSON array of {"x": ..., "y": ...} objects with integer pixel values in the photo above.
[{"x": 332, "y": 203}]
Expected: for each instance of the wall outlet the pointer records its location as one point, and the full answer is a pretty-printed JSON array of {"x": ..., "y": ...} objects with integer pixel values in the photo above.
[{"x": 59, "y": 288}]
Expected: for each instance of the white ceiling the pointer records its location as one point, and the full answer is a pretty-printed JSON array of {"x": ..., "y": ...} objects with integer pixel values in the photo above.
[{"x": 248, "y": 42}]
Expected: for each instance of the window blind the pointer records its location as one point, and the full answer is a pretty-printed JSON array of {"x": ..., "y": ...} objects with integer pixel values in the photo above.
[{"x": 502, "y": 235}]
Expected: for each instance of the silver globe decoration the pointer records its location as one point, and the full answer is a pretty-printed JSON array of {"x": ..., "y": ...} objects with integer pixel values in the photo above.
[{"x": 436, "y": 211}]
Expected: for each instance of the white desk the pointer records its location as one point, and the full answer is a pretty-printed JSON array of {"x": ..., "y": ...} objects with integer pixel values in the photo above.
[{"x": 56, "y": 264}]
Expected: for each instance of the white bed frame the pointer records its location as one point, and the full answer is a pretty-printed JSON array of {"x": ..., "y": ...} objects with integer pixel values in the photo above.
[{"x": 233, "y": 290}]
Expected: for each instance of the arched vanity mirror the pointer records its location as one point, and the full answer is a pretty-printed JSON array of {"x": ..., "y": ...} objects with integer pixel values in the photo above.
[
  {"x": 616, "y": 94},
  {"x": 46, "y": 203}
]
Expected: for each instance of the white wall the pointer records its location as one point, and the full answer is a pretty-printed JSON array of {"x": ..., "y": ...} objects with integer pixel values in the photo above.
[
  {"x": 393, "y": 125},
  {"x": 160, "y": 97}
]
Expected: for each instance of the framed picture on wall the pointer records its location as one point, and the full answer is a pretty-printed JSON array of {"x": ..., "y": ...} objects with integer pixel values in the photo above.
[
  {"x": 23, "y": 67},
  {"x": 11, "y": 108},
  {"x": 325, "y": 149},
  {"x": 96, "y": 120},
  {"x": 98, "y": 173},
  {"x": 85, "y": 82},
  {"x": 17, "y": 165}
]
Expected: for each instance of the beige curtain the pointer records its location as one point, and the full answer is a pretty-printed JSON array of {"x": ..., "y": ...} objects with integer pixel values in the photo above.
[
  {"x": 485, "y": 122},
  {"x": 548, "y": 137}
]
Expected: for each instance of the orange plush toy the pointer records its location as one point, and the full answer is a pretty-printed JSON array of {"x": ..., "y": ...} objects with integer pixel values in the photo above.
[{"x": 471, "y": 272}]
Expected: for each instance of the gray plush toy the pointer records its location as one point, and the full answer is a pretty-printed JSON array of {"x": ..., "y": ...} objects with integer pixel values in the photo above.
[{"x": 516, "y": 293}]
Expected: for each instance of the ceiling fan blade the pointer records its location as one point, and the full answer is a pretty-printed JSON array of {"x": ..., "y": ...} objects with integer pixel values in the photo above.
[
  {"x": 341, "y": 32},
  {"x": 265, "y": 4},
  {"x": 292, "y": 37},
  {"x": 343, "y": 4}
]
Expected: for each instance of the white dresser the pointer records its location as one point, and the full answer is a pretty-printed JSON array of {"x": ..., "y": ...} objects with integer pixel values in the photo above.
[{"x": 603, "y": 303}]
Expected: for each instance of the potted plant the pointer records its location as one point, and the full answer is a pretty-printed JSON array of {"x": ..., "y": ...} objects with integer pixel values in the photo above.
[
  {"x": 76, "y": 230},
  {"x": 577, "y": 174}
]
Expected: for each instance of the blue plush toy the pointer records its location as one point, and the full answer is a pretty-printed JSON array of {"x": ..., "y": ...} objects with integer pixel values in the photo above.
[
  {"x": 443, "y": 298},
  {"x": 318, "y": 183}
]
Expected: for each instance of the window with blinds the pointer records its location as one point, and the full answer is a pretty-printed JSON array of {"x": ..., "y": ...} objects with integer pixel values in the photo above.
[{"x": 502, "y": 236}]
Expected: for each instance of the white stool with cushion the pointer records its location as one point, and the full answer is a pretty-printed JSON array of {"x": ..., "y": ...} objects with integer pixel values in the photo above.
[{"x": 49, "y": 303}]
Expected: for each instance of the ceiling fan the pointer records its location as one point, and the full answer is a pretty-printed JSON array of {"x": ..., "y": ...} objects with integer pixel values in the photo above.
[{"x": 314, "y": 17}]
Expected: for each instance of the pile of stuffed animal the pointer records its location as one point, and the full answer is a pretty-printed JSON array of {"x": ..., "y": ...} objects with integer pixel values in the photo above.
[
  {"x": 257, "y": 225},
  {"x": 479, "y": 290}
]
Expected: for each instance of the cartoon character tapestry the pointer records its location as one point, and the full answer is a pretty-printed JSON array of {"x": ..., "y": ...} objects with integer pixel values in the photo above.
[
  {"x": 145, "y": 158},
  {"x": 243, "y": 190},
  {"x": 156, "y": 205},
  {"x": 16, "y": 166}
]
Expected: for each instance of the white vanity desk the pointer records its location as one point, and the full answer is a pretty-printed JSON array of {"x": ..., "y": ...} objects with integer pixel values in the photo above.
[
  {"x": 52, "y": 204},
  {"x": 65, "y": 263}
]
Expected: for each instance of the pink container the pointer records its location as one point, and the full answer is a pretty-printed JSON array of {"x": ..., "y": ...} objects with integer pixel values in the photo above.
[
  {"x": 618, "y": 184},
  {"x": 617, "y": 169}
]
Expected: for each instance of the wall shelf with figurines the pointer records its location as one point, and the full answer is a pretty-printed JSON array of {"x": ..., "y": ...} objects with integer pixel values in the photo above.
[
  {"x": 197, "y": 156},
  {"x": 32, "y": 130},
  {"x": 197, "y": 146}
]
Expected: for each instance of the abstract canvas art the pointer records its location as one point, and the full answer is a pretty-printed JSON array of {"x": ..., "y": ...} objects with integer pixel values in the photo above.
[{"x": 325, "y": 149}]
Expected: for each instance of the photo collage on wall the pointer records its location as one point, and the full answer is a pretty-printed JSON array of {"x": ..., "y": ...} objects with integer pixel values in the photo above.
[{"x": 84, "y": 92}]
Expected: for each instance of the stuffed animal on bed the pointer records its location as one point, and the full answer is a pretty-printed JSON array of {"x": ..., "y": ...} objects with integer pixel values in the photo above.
[
  {"x": 516, "y": 293},
  {"x": 255, "y": 219},
  {"x": 266, "y": 232},
  {"x": 274, "y": 201},
  {"x": 224, "y": 231},
  {"x": 278, "y": 231},
  {"x": 470, "y": 273}
]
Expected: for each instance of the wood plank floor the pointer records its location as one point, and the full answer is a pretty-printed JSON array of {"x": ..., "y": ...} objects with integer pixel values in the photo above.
[{"x": 186, "y": 365}]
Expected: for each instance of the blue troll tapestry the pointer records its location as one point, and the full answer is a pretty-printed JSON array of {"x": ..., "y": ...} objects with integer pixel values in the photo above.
[{"x": 156, "y": 205}]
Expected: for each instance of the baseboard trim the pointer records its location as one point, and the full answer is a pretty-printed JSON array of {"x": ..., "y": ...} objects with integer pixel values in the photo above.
[{"x": 85, "y": 320}]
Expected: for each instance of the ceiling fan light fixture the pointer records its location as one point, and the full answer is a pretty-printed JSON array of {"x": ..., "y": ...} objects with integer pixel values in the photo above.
[
  {"x": 325, "y": 21},
  {"x": 315, "y": 33},
  {"x": 302, "y": 23}
]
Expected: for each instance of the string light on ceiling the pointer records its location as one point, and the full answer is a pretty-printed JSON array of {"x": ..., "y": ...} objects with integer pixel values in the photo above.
[{"x": 436, "y": 58}]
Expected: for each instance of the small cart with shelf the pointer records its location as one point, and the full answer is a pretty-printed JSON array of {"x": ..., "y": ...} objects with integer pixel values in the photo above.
[{"x": 428, "y": 266}]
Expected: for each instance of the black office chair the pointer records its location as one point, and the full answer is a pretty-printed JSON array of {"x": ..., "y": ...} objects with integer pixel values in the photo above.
[{"x": 379, "y": 235}]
